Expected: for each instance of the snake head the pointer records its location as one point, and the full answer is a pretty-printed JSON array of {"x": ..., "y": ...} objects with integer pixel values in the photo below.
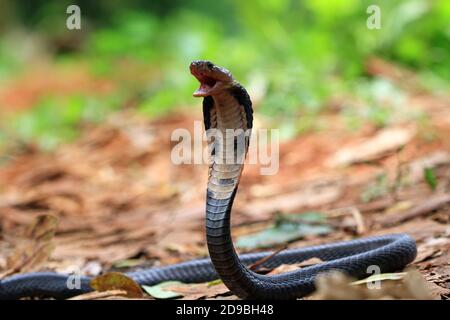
[{"x": 212, "y": 78}]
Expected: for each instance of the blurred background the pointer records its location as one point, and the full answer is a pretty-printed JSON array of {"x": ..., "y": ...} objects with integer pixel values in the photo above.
[{"x": 297, "y": 58}]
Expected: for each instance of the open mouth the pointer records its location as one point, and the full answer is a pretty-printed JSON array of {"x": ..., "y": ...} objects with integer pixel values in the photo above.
[{"x": 207, "y": 84}]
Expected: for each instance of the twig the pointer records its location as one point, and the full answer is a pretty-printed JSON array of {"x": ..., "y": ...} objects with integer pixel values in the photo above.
[
  {"x": 255, "y": 265},
  {"x": 376, "y": 205},
  {"x": 423, "y": 208},
  {"x": 357, "y": 216},
  {"x": 9, "y": 272}
]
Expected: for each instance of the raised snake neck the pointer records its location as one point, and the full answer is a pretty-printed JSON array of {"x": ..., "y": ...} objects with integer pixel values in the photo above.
[{"x": 231, "y": 108}]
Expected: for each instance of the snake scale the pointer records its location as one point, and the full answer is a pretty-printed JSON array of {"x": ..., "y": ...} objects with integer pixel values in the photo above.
[{"x": 227, "y": 105}]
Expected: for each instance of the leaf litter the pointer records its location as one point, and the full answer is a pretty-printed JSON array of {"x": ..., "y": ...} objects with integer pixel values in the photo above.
[{"x": 121, "y": 203}]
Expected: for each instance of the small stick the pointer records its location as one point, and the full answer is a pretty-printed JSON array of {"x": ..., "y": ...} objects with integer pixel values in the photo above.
[
  {"x": 421, "y": 209},
  {"x": 357, "y": 216},
  {"x": 256, "y": 264}
]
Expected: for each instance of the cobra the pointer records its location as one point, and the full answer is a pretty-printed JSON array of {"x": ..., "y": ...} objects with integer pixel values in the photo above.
[{"x": 227, "y": 106}]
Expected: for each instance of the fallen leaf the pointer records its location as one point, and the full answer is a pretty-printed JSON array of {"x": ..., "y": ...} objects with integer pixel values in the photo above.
[
  {"x": 43, "y": 229},
  {"x": 42, "y": 174},
  {"x": 336, "y": 286},
  {"x": 385, "y": 140},
  {"x": 404, "y": 285},
  {"x": 283, "y": 268},
  {"x": 215, "y": 282},
  {"x": 381, "y": 277},
  {"x": 427, "y": 206},
  {"x": 415, "y": 285},
  {"x": 128, "y": 263},
  {"x": 199, "y": 290},
  {"x": 117, "y": 281},
  {"x": 424, "y": 253},
  {"x": 399, "y": 207},
  {"x": 159, "y": 291},
  {"x": 284, "y": 230},
  {"x": 35, "y": 249},
  {"x": 314, "y": 196},
  {"x": 416, "y": 168},
  {"x": 309, "y": 262},
  {"x": 99, "y": 295}
]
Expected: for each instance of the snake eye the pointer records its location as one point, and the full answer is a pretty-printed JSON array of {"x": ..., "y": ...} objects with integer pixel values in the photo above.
[{"x": 209, "y": 65}]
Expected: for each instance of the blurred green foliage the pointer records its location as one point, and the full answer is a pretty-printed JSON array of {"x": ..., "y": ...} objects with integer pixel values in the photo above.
[
  {"x": 305, "y": 51},
  {"x": 430, "y": 177},
  {"x": 57, "y": 119}
]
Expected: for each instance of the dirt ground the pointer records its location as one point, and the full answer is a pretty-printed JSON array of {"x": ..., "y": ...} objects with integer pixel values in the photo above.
[{"x": 121, "y": 204}]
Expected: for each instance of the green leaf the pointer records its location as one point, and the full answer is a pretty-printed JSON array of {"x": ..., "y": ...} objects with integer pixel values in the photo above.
[
  {"x": 430, "y": 177},
  {"x": 158, "y": 292},
  {"x": 305, "y": 217},
  {"x": 214, "y": 282},
  {"x": 286, "y": 229}
]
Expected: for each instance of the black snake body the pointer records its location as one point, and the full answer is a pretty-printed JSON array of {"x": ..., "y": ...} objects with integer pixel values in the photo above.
[{"x": 227, "y": 105}]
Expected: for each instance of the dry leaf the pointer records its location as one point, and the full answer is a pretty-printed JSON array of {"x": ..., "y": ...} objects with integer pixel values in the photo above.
[
  {"x": 287, "y": 202},
  {"x": 284, "y": 268},
  {"x": 43, "y": 229},
  {"x": 35, "y": 249},
  {"x": 427, "y": 206},
  {"x": 199, "y": 290},
  {"x": 292, "y": 267},
  {"x": 310, "y": 262},
  {"x": 99, "y": 295},
  {"x": 117, "y": 281},
  {"x": 338, "y": 286},
  {"x": 385, "y": 140}
]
